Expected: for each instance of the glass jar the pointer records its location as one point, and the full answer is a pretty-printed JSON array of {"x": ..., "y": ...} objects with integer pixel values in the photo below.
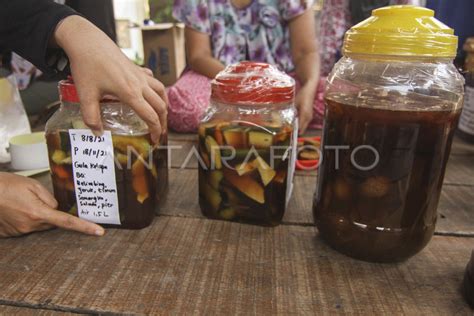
[
  {"x": 245, "y": 143},
  {"x": 114, "y": 179},
  {"x": 392, "y": 106}
]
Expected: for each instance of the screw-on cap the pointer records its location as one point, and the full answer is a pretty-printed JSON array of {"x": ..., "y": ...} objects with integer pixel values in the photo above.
[
  {"x": 67, "y": 91},
  {"x": 401, "y": 30}
]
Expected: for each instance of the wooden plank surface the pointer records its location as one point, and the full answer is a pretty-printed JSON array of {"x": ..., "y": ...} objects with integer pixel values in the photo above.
[
  {"x": 182, "y": 156},
  {"x": 193, "y": 265},
  {"x": 461, "y": 147},
  {"x": 456, "y": 206},
  {"x": 174, "y": 136},
  {"x": 460, "y": 170},
  {"x": 189, "y": 266},
  {"x": 24, "y": 311},
  {"x": 456, "y": 211}
]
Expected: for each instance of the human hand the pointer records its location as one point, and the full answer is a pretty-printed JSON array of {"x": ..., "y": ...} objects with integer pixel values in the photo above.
[
  {"x": 100, "y": 68},
  {"x": 26, "y": 206},
  {"x": 304, "y": 103}
]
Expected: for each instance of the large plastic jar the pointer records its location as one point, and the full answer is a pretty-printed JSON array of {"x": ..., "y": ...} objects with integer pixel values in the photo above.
[
  {"x": 115, "y": 179},
  {"x": 392, "y": 106},
  {"x": 245, "y": 143}
]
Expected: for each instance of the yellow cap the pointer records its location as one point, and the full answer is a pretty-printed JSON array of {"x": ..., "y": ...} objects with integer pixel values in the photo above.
[{"x": 401, "y": 30}]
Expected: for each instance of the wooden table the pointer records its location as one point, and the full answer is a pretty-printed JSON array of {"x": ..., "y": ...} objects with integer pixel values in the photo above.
[{"x": 186, "y": 264}]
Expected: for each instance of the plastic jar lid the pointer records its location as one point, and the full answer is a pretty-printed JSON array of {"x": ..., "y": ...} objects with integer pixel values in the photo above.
[
  {"x": 68, "y": 92},
  {"x": 252, "y": 83},
  {"x": 402, "y": 30}
]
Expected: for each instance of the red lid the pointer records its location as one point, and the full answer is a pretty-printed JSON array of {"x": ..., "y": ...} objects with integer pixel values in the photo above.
[
  {"x": 252, "y": 83},
  {"x": 67, "y": 91}
]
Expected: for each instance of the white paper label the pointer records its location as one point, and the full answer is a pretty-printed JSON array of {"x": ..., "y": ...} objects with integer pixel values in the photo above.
[
  {"x": 466, "y": 122},
  {"x": 94, "y": 176},
  {"x": 292, "y": 163}
]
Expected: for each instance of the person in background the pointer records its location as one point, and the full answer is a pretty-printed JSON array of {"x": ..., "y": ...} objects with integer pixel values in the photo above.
[
  {"x": 337, "y": 17},
  {"x": 221, "y": 32},
  {"x": 458, "y": 15},
  {"x": 52, "y": 36}
]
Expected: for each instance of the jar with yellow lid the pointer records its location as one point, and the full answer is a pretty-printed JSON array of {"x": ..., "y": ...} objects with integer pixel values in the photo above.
[{"x": 392, "y": 106}]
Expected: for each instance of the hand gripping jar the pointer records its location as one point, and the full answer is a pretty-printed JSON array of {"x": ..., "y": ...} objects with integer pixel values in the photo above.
[
  {"x": 245, "y": 143},
  {"x": 392, "y": 105},
  {"x": 115, "y": 179}
]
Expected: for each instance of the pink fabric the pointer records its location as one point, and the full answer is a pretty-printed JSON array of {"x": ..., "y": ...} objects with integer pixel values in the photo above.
[{"x": 189, "y": 99}]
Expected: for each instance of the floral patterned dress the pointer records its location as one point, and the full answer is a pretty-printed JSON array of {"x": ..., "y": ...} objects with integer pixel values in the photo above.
[{"x": 257, "y": 32}]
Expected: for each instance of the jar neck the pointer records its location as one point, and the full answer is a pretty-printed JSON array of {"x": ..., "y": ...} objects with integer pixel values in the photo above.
[
  {"x": 70, "y": 106},
  {"x": 104, "y": 105},
  {"x": 256, "y": 107}
]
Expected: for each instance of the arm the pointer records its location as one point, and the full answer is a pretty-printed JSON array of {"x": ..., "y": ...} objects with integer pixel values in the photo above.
[
  {"x": 199, "y": 54},
  {"x": 304, "y": 50},
  {"x": 26, "y": 27},
  {"x": 35, "y": 28},
  {"x": 99, "y": 68}
]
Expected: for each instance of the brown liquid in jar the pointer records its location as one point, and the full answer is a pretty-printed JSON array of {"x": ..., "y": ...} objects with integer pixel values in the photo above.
[
  {"x": 136, "y": 179},
  {"x": 387, "y": 213},
  {"x": 247, "y": 188}
]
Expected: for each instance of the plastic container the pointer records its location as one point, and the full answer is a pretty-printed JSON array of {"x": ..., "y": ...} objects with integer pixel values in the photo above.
[
  {"x": 393, "y": 103},
  {"x": 247, "y": 144},
  {"x": 115, "y": 179}
]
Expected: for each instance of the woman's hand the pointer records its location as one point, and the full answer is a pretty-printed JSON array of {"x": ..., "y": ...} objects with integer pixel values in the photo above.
[
  {"x": 99, "y": 68},
  {"x": 304, "y": 101},
  {"x": 26, "y": 206}
]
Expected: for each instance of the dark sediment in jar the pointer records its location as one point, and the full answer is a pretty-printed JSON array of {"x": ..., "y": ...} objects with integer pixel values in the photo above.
[
  {"x": 387, "y": 213},
  {"x": 139, "y": 169},
  {"x": 249, "y": 186}
]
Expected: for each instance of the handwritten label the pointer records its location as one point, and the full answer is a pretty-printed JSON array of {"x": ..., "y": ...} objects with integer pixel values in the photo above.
[{"x": 94, "y": 176}]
